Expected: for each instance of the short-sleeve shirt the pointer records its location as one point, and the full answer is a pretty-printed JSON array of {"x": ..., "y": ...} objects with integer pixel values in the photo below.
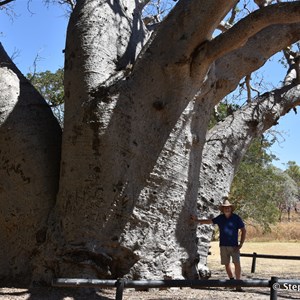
[{"x": 229, "y": 229}]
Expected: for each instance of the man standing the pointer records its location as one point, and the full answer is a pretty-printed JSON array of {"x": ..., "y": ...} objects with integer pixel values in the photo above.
[{"x": 229, "y": 226}]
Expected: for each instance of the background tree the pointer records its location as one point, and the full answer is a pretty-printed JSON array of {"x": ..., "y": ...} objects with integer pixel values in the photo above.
[
  {"x": 293, "y": 170},
  {"x": 261, "y": 191},
  {"x": 287, "y": 194},
  {"x": 254, "y": 187},
  {"x": 137, "y": 157},
  {"x": 51, "y": 87}
]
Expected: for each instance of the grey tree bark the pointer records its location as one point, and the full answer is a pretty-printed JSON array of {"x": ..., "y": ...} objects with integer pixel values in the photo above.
[
  {"x": 137, "y": 110},
  {"x": 30, "y": 139}
]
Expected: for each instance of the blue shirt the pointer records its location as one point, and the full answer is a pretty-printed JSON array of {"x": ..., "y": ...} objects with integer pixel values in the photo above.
[{"x": 229, "y": 229}]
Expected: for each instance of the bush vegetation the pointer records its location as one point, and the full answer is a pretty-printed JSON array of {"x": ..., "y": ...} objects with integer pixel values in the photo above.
[{"x": 281, "y": 231}]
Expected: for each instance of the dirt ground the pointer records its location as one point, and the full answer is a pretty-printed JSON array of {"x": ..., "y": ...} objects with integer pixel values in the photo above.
[{"x": 265, "y": 269}]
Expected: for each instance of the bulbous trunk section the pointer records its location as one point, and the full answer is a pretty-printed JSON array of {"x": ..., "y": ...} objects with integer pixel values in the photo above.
[{"x": 30, "y": 140}]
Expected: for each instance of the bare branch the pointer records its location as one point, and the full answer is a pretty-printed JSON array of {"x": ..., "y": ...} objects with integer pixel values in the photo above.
[
  {"x": 254, "y": 119},
  {"x": 289, "y": 55},
  {"x": 284, "y": 13},
  {"x": 35, "y": 63},
  {"x": 4, "y": 2},
  {"x": 7, "y": 7},
  {"x": 293, "y": 59},
  {"x": 231, "y": 68},
  {"x": 248, "y": 86},
  {"x": 233, "y": 14},
  {"x": 264, "y": 3},
  {"x": 71, "y": 3},
  {"x": 15, "y": 54},
  {"x": 224, "y": 26},
  {"x": 238, "y": 35}
]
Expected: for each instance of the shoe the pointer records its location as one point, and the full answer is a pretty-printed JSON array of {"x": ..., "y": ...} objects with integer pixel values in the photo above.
[
  {"x": 230, "y": 287},
  {"x": 239, "y": 289}
]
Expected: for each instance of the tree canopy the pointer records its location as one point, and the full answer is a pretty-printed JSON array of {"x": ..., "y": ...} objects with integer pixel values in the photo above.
[{"x": 50, "y": 85}]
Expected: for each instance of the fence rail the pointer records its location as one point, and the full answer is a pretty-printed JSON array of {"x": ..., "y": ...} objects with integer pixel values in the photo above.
[
  {"x": 254, "y": 255},
  {"x": 120, "y": 284}
]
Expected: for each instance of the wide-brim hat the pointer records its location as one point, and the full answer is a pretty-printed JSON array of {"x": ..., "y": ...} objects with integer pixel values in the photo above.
[{"x": 226, "y": 203}]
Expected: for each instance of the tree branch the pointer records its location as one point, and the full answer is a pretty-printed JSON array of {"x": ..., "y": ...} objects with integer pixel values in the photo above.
[
  {"x": 284, "y": 13},
  {"x": 71, "y": 3},
  {"x": 187, "y": 25},
  {"x": 224, "y": 26},
  {"x": 266, "y": 109},
  {"x": 233, "y": 14},
  {"x": 231, "y": 68},
  {"x": 292, "y": 59},
  {"x": 228, "y": 141},
  {"x": 238, "y": 35},
  {"x": 248, "y": 87},
  {"x": 4, "y": 2}
]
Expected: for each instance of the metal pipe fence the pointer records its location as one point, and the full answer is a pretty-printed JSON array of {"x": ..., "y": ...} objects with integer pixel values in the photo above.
[
  {"x": 120, "y": 284},
  {"x": 268, "y": 256}
]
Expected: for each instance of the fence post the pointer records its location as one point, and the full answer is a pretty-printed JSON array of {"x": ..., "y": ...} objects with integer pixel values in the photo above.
[
  {"x": 120, "y": 288},
  {"x": 274, "y": 287},
  {"x": 253, "y": 262}
]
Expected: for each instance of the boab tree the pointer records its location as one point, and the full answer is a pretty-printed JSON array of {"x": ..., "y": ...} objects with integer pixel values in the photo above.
[{"x": 132, "y": 165}]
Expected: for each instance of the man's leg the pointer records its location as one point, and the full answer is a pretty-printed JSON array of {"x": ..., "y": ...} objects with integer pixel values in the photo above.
[
  {"x": 237, "y": 264},
  {"x": 225, "y": 260},
  {"x": 228, "y": 270},
  {"x": 238, "y": 271},
  {"x": 229, "y": 273},
  {"x": 237, "y": 268}
]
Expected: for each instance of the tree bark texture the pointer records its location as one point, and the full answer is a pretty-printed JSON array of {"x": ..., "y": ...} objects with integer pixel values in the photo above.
[{"x": 29, "y": 170}]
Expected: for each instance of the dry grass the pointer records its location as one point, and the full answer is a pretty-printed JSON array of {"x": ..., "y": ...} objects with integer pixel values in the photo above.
[
  {"x": 264, "y": 267},
  {"x": 279, "y": 232},
  {"x": 282, "y": 231}
]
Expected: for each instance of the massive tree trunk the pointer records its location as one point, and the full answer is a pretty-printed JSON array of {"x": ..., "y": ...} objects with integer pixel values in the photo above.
[
  {"x": 137, "y": 108},
  {"x": 133, "y": 138},
  {"x": 30, "y": 140},
  {"x": 122, "y": 137}
]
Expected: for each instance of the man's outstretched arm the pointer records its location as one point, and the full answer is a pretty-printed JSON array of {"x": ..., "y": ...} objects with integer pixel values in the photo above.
[{"x": 201, "y": 221}]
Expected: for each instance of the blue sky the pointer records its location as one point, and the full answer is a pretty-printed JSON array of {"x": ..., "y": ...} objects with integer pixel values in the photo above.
[
  {"x": 286, "y": 149},
  {"x": 37, "y": 31},
  {"x": 41, "y": 31}
]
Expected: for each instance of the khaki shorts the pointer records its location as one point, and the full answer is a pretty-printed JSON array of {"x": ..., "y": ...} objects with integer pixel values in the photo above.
[{"x": 227, "y": 252}]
